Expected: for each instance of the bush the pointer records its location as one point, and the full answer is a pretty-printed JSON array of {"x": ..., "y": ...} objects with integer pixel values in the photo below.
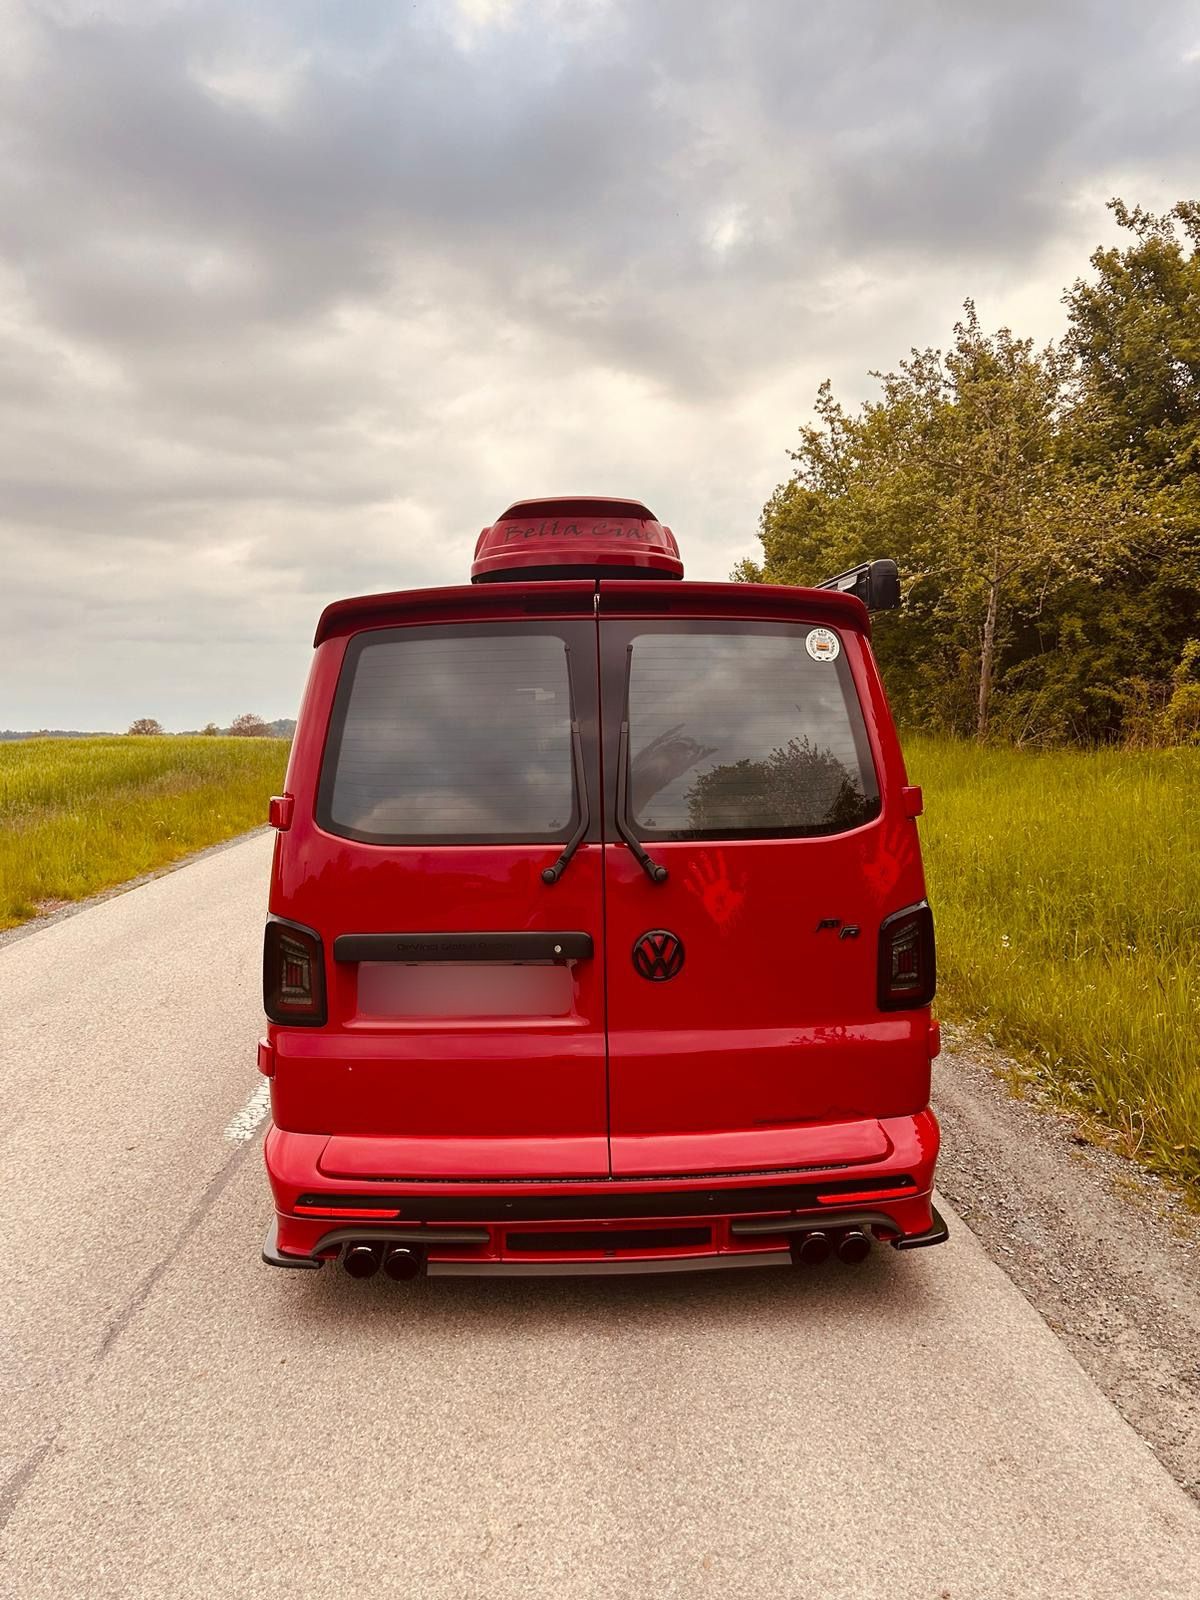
[{"x": 249, "y": 726}]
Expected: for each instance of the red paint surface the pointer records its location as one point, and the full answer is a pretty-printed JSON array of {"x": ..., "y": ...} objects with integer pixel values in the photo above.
[
  {"x": 295, "y": 1165},
  {"x": 766, "y": 1053},
  {"x": 597, "y": 533},
  {"x": 463, "y": 1157}
]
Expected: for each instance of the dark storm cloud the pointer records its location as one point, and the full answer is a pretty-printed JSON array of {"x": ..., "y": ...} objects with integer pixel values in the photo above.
[{"x": 292, "y": 296}]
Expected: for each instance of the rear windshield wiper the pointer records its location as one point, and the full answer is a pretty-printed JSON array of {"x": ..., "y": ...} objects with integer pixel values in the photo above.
[
  {"x": 653, "y": 869},
  {"x": 554, "y": 873}
]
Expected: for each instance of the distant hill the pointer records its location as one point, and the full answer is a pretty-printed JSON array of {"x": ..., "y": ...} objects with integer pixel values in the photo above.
[{"x": 281, "y": 728}]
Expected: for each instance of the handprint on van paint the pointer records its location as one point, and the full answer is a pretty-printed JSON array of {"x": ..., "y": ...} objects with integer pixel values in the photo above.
[
  {"x": 709, "y": 880},
  {"x": 892, "y": 851}
]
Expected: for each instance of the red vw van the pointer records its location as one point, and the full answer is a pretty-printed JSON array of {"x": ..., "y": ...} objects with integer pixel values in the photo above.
[{"x": 598, "y": 939}]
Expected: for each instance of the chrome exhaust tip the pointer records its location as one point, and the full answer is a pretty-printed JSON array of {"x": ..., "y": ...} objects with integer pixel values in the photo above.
[
  {"x": 401, "y": 1262},
  {"x": 810, "y": 1249},
  {"x": 362, "y": 1260},
  {"x": 853, "y": 1246}
]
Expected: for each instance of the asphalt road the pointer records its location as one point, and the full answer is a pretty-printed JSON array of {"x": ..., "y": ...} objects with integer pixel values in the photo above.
[{"x": 182, "y": 1421}]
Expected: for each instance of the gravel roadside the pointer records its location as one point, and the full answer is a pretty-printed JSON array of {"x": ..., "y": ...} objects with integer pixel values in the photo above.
[{"x": 1108, "y": 1255}]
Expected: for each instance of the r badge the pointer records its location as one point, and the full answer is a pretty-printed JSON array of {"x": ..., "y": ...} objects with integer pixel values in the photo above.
[{"x": 658, "y": 955}]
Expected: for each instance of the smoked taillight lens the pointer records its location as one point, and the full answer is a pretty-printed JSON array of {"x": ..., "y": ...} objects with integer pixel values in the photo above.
[
  {"x": 907, "y": 967},
  {"x": 293, "y": 974}
]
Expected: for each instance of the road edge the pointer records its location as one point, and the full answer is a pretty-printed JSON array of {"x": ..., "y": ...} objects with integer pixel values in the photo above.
[
  {"x": 62, "y": 913},
  {"x": 1104, "y": 1252}
]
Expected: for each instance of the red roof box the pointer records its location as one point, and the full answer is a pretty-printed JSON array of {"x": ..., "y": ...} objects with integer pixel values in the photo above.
[{"x": 575, "y": 537}]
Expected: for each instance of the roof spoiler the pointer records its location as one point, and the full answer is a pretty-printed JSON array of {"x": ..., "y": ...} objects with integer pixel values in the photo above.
[{"x": 875, "y": 583}]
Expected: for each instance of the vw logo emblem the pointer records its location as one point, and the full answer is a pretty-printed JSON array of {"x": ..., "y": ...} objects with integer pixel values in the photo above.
[{"x": 658, "y": 955}]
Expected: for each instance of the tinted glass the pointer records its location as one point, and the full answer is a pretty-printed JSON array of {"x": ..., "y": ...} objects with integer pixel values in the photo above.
[
  {"x": 739, "y": 732},
  {"x": 451, "y": 737}
]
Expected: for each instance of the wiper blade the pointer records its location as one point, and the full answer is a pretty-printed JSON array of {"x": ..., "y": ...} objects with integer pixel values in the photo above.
[
  {"x": 654, "y": 870},
  {"x": 554, "y": 873}
]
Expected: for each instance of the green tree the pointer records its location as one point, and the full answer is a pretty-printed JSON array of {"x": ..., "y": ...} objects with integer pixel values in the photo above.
[
  {"x": 249, "y": 726},
  {"x": 1134, "y": 337},
  {"x": 956, "y": 472},
  {"x": 1135, "y": 333}
]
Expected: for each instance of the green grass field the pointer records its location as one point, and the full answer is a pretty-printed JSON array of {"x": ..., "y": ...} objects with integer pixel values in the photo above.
[
  {"x": 80, "y": 815},
  {"x": 1066, "y": 892}
]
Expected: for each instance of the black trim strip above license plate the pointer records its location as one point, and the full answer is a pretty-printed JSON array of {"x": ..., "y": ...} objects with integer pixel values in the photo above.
[{"x": 522, "y": 946}]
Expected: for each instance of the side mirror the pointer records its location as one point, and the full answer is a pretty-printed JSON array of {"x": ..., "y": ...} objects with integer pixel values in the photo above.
[
  {"x": 875, "y": 583},
  {"x": 883, "y": 586}
]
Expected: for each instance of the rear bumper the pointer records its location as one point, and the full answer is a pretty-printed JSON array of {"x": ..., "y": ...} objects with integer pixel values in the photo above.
[{"x": 547, "y": 1226}]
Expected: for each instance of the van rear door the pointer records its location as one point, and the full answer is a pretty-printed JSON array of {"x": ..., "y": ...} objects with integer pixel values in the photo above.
[
  {"x": 465, "y": 1035},
  {"x": 751, "y": 755}
]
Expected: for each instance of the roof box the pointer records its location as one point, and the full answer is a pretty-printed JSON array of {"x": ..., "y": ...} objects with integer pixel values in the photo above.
[{"x": 575, "y": 537}]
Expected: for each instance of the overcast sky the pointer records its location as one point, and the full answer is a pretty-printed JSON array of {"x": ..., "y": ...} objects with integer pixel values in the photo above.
[{"x": 295, "y": 297}]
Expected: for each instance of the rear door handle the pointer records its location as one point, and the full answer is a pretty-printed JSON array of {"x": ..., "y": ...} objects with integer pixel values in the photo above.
[{"x": 519, "y": 946}]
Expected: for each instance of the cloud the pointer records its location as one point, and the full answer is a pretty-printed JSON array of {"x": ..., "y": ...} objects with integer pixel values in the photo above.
[{"x": 294, "y": 298}]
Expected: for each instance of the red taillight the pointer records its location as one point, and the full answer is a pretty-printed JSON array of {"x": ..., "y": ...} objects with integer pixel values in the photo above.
[
  {"x": 907, "y": 968},
  {"x": 293, "y": 975},
  {"x": 350, "y": 1211}
]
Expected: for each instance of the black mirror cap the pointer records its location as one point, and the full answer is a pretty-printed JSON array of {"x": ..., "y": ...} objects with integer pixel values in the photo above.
[
  {"x": 882, "y": 585},
  {"x": 875, "y": 583}
]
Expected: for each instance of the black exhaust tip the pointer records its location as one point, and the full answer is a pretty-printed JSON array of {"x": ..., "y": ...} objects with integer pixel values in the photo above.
[
  {"x": 362, "y": 1260},
  {"x": 401, "y": 1262},
  {"x": 810, "y": 1249},
  {"x": 853, "y": 1246}
]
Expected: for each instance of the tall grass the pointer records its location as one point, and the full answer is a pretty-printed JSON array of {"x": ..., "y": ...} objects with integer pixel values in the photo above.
[
  {"x": 1066, "y": 889},
  {"x": 79, "y": 815}
]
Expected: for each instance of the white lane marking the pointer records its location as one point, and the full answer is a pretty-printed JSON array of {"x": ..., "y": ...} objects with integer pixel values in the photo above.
[{"x": 243, "y": 1124}]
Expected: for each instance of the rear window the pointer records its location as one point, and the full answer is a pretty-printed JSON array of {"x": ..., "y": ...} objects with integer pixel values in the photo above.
[
  {"x": 737, "y": 731},
  {"x": 450, "y": 735}
]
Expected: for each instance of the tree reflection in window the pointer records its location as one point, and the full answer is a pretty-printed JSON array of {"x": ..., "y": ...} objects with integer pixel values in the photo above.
[{"x": 797, "y": 785}]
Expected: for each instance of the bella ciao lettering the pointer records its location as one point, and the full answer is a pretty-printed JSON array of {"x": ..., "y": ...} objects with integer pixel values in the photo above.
[{"x": 580, "y": 528}]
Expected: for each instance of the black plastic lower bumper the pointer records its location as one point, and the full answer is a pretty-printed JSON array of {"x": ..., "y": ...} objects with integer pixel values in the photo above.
[
  {"x": 938, "y": 1234},
  {"x": 274, "y": 1257}
]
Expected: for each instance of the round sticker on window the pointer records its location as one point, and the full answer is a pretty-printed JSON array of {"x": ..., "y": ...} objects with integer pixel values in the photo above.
[{"x": 823, "y": 644}]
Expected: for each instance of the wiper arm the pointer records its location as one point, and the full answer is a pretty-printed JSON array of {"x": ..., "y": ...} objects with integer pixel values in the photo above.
[
  {"x": 554, "y": 873},
  {"x": 654, "y": 870}
]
